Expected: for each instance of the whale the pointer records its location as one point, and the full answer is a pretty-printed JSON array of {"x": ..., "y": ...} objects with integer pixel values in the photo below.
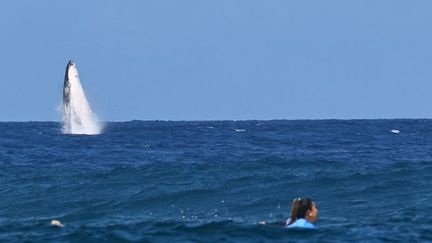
[
  {"x": 78, "y": 117},
  {"x": 67, "y": 84}
]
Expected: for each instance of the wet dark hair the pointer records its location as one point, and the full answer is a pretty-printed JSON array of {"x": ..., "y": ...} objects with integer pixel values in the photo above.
[{"x": 299, "y": 208}]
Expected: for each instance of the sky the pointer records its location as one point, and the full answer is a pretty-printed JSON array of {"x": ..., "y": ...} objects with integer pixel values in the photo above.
[{"x": 218, "y": 60}]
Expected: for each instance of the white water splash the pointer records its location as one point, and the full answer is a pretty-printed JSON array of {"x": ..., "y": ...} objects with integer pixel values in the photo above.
[{"x": 78, "y": 117}]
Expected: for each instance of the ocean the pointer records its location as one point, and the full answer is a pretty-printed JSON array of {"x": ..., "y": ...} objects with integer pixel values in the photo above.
[{"x": 213, "y": 181}]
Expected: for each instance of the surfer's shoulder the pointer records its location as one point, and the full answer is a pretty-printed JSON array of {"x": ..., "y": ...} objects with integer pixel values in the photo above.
[{"x": 301, "y": 223}]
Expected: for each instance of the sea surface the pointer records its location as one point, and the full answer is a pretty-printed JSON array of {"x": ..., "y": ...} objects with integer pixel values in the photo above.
[{"x": 213, "y": 181}]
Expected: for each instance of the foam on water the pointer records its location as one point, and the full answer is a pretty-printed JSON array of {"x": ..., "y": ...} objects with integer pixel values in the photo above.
[{"x": 78, "y": 117}]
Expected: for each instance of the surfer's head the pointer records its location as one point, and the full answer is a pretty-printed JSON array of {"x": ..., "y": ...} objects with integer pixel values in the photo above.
[{"x": 303, "y": 208}]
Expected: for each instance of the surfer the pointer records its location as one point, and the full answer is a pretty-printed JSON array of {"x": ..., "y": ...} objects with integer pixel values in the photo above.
[{"x": 303, "y": 214}]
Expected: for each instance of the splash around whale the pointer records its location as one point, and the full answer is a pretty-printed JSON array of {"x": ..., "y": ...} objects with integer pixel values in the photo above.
[{"x": 78, "y": 117}]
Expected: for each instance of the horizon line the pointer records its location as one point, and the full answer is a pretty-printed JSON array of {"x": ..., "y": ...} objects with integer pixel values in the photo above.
[{"x": 231, "y": 120}]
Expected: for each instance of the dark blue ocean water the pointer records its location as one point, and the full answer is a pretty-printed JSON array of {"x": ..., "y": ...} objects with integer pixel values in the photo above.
[{"x": 162, "y": 181}]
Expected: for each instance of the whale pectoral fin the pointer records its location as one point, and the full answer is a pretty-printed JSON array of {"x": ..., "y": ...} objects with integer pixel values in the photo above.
[{"x": 76, "y": 118}]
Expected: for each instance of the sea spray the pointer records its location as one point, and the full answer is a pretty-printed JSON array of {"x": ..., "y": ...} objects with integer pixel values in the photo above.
[{"x": 78, "y": 117}]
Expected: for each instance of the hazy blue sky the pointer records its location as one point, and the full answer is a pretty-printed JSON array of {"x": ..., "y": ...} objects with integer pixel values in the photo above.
[{"x": 221, "y": 59}]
